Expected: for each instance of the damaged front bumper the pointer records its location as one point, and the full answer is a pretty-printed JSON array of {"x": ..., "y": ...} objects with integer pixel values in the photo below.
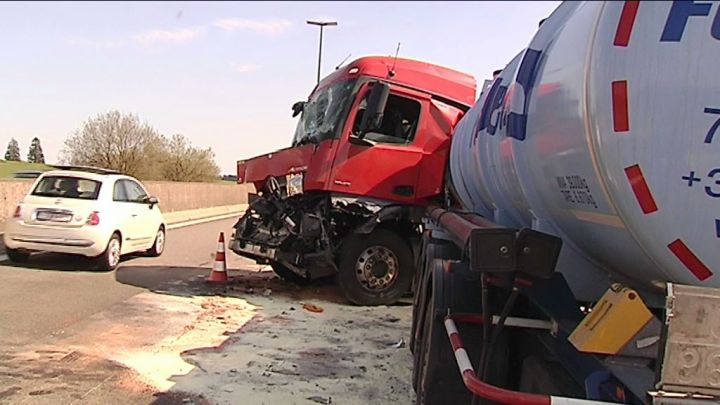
[{"x": 262, "y": 254}]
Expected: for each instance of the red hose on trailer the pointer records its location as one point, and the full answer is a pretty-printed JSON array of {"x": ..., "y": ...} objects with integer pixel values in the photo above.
[{"x": 488, "y": 391}]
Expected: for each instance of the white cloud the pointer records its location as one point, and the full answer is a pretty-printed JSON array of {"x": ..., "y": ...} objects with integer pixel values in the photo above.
[
  {"x": 272, "y": 27},
  {"x": 245, "y": 67},
  {"x": 179, "y": 36}
]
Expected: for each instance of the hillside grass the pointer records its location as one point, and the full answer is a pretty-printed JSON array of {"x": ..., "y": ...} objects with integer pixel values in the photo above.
[{"x": 8, "y": 168}]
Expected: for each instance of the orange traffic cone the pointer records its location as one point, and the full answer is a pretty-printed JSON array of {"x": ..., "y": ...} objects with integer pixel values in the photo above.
[{"x": 219, "y": 271}]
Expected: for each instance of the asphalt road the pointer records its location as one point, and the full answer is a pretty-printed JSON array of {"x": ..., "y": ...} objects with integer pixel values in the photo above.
[
  {"x": 64, "y": 327},
  {"x": 46, "y": 296},
  {"x": 155, "y": 332}
]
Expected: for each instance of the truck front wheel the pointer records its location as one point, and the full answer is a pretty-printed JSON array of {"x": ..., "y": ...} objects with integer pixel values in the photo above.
[{"x": 375, "y": 269}]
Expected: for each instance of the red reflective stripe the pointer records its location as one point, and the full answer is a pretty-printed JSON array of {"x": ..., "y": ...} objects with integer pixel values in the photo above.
[
  {"x": 467, "y": 318},
  {"x": 621, "y": 118},
  {"x": 688, "y": 258},
  {"x": 641, "y": 189},
  {"x": 221, "y": 239},
  {"x": 455, "y": 341},
  {"x": 220, "y": 256},
  {"x": 496, "y": 394},
  {"x": 625, "y": 25}
]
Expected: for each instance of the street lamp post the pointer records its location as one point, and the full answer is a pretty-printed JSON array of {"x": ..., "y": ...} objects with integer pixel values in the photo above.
[{"x": 321, "y": 24}]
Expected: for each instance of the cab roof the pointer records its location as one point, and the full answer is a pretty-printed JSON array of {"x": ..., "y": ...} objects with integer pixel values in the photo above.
[{"x": 434, "y": 79}]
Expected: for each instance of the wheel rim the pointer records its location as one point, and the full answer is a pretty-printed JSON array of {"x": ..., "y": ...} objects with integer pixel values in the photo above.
[
  {"x": 113, "y": 252},
  {"x": 160, "y": 241},
  {"x": 377, "y": 268}
]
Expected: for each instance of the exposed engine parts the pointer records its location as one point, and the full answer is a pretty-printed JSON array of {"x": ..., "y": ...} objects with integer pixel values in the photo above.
[{"x": 304, "y": 232}]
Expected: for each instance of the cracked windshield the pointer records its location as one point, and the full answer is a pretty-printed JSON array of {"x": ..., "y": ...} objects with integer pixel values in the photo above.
[
  {"x": 343, "y": 202},
  {"x": 322, "y": 115}
]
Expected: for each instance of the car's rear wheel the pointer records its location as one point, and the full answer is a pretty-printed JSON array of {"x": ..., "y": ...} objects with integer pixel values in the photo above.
[
  {"x": 159, "y": 246},
  {"x": 17, "y": 256},
  {"x": 110, "y": 258}
]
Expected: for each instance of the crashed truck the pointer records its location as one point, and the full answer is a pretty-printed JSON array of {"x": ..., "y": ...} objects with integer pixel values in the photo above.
[
  {"x": 577, "y": 264},
  {"x": 347, "y": 198}
]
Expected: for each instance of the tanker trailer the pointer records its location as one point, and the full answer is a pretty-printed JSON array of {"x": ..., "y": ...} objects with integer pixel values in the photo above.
[{"x": 578, "y": 259}]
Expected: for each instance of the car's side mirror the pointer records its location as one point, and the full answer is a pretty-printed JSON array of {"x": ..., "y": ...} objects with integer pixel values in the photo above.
[
  {"x": 297, "y": 108},
  {"x": 373, "y": 115},
  {"x": 153, "y": 201}
]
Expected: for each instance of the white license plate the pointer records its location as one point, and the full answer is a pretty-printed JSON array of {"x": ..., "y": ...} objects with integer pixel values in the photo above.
[
  {"x": 294, "y": 184},
  {"x": 53, "y": 216}
]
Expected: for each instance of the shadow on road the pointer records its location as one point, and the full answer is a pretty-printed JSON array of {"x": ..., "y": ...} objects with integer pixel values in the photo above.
[
  {"x": 242, "y": 283},
  {"x": 64, "y": 262}
]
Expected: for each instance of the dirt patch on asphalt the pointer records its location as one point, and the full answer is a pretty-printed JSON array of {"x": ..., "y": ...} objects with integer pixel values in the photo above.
[
  {"x": 289, "y": 353},
  {"x": 45, "y": 376}
]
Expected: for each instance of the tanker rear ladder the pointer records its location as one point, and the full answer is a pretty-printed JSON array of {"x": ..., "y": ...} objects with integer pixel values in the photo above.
[{"x": 618, "y": 351}]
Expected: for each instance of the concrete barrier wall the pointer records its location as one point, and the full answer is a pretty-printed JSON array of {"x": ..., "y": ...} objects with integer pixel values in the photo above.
[{"x": 173, "y": 196}]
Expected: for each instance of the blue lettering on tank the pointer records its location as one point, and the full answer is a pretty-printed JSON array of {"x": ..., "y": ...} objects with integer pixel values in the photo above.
[
  {"x": 492, "y": 127},
  {"x": 485, "y": 111},
  {"x": 680, "y": 12},
  {"x": 493, "y": 101},
  {"x": 527, "y": 72},
  {"x": 713, "y": 174},
  {"x": 713, "y": 129}
]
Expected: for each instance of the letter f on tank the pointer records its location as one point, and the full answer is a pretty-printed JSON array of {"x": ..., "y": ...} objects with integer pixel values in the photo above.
[{"x": 678, "y": 17}]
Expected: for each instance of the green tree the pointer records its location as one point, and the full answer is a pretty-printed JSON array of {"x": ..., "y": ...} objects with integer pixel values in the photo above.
[
  {"x": 35, "y": 154},
  {"x": 117, "y": 141},
  {"x": 184, "y": 162},
  {"x": 13, "y": 151}
]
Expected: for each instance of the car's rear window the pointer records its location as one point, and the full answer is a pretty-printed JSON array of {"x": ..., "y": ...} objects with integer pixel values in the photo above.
[{"x": 67, "y": 187}]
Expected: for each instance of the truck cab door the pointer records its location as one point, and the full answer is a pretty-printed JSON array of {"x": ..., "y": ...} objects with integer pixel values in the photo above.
[{"x": 387, "y": 165}]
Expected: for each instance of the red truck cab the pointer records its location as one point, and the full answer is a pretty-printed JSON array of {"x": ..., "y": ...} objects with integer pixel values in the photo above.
[{"x": 370, "y": 148}]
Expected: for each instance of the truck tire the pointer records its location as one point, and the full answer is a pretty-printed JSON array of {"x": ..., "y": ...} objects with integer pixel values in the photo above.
[
  {"x": 375, "y": 268},
  {"x": 436, "y": 377},
  {"x": 431, "y": 249},
  {"x": 288, "y": 275}
]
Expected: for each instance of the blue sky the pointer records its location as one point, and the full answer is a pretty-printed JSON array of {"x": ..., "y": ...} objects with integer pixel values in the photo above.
[{"x": 224, "y": 74}]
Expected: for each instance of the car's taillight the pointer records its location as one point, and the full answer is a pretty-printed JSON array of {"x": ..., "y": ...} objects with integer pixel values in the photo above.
[
  {"x": 17, "y": 212},
  {"x": 93, "y": 219}
]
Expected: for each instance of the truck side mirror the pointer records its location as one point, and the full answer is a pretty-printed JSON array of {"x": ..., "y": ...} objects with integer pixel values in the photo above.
[
  {"x": 297, "y": 108},
  {"x": 373, "y": 116}
]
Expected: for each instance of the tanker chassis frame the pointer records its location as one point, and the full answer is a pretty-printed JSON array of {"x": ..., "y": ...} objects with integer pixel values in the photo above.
[{"x": 489, "y": 303}]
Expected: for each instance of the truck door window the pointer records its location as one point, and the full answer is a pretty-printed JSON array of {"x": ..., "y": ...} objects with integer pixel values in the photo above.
[{"x": 400, "y": 121}]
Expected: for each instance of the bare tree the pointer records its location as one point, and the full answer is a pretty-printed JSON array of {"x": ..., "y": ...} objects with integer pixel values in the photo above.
[
  {"x": 119, "y": 142},
  {"x": 184, "y": 162}
]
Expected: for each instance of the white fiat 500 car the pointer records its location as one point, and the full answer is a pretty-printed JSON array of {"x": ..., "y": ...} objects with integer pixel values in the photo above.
[{"x": 90, "y": 212}]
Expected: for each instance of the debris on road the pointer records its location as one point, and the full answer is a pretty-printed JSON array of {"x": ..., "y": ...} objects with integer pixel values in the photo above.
[
  {"x": 312, "y": 308},
  {"x": 267, "y": 292},
  {"x": 321, "y": 400},
  {"x": 399, "y": 344}
]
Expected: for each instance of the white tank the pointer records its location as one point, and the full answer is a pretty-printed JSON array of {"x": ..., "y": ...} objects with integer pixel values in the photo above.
[{"x": 606, "y": 132}]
